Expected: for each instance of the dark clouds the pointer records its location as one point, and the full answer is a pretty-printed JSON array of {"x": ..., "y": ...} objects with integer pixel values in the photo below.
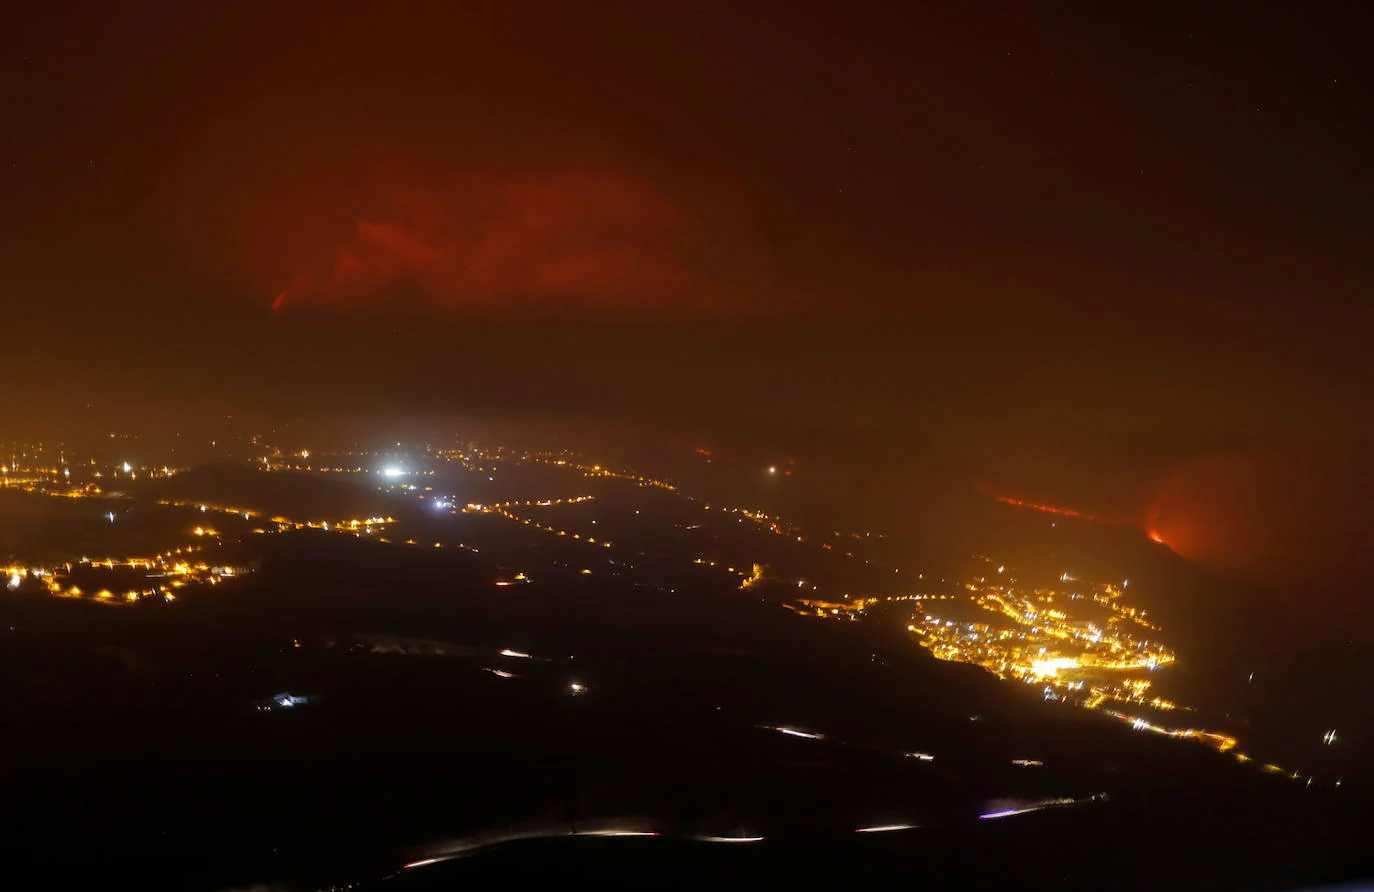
[{"x": 886, "y": 158}]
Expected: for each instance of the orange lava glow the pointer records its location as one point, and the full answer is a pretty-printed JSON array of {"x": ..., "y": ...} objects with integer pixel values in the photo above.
[
  {"x": 1283, "y": 519},
  {"x": 1156, "y": 537},
  {"x": 1048, "y": 509}
]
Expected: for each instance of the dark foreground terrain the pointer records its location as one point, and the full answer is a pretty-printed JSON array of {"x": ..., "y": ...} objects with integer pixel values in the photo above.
[{"x": 586, "y": 734}]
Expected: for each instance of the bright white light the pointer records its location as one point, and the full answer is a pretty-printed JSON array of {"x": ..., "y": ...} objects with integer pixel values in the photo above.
[
  {"x": 772, "y": 469},
  {"x": 127, "y": 467},
  {"x": 793, "y": 732},
  {"x": 15, "y": 579},
  {"x": 885, "y": 828},
  {"x": 393, "y": 472},
  {"x": 1051, "y": 667},
  {"x": 421, "y": 863},
  {"x": 515, "y": 653},
  {"x": 730, "y": 838},
  {"x": 576, "y": 688},
  {"x": 924, "y": 757}
]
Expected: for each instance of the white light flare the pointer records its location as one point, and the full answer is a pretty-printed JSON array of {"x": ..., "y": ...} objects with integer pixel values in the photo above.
[{"x": 793, "y": 732}]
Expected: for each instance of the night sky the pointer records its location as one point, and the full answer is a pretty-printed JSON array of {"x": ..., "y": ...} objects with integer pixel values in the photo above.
[{"x": 1109, "y": 256}]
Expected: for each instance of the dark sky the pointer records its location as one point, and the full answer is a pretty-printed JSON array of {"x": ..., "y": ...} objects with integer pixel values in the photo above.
[{"x": 1068, "y": 251}]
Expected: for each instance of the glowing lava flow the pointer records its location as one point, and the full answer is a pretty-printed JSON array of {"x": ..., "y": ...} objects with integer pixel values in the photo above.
[{"x": 1048, "y": 509}]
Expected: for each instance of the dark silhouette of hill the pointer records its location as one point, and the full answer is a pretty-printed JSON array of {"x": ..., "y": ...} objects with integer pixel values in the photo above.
[
  {"x": 448, "y": 703},
  {"x": 399, "y": 752}
]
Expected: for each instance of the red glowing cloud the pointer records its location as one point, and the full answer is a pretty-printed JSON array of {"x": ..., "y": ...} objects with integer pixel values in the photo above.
[
  {"x": 589, "y": 240},
  {"x": 1287, "y": 519}
]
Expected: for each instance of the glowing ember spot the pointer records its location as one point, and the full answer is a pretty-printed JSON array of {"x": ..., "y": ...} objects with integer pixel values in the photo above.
[{"x": 1156, "y": 537}]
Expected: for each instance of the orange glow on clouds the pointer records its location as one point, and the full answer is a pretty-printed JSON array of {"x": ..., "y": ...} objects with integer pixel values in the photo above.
[{"x": 587, "y": 240}]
